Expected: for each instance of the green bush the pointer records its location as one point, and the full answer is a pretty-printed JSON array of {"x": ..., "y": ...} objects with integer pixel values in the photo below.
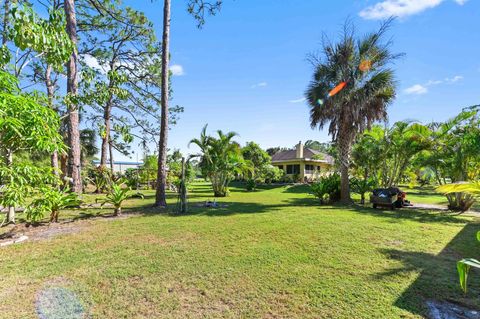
[
  {"x": 132, "y": 178},
  {"x": 272, "y": 174},
  {"x": 250, "y": 185},
  {"x": 101, "y": 177},
  {"x": 327, "y": 188},
  {"x": 52, "y": 200}
]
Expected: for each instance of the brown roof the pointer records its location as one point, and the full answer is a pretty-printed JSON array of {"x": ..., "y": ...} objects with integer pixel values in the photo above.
[{"x": 308, "y": 153}]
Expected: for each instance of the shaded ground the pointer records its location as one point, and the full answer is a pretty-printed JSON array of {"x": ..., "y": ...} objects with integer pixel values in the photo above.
[{"x": 273, "y": 253}]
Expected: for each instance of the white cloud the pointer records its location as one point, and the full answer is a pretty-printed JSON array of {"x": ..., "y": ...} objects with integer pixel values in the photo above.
[
  {"x": 456, "y": 78},
  {"x": 298, "y": 100},
  {"x": 92, "y": 62},
  {"x": 433, "y": 82},
  {"x": 423, "y": 88},
  {"x": 400, "y": 8},
  {"x": 177, "y": 70},
  {"x": 416, "y": 89},
  {"x": 258, "y": 85}
]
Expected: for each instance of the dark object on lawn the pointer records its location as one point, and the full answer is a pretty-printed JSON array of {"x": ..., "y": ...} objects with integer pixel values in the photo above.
[
  {"x": 209, "y": 203},
  {"x": 391, "y": 197}
]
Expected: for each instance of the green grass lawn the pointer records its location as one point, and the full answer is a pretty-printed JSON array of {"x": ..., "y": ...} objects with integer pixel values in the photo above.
[{"x": 272, "y": 253}]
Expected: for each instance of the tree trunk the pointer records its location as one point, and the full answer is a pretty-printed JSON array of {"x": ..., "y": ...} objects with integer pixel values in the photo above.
[
  {"x": 74, "y": 160},
  {"x": 11, "y": 209},
  {"x": 160, "y": 198},
  {"x": 110, "y": 149},
  {"x": 6, "y": 20},
  {"x": 106, "y": 138},
  {"x": 117, "y": 211},
  {"x": 345, "y": 145},
  {"x": 50, "y": 95}
]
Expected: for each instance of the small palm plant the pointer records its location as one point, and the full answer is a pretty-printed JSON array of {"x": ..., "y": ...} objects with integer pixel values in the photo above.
[
  {"x": 116, "y": 196},
  {"x": 468, "y": 192},
  {"x": 362, "y": 186},
  {"x": 472, "y": 190},
  {"x": 51, "y": 202}
]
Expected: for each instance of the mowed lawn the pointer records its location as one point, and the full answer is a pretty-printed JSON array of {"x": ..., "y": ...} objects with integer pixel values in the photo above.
[{"x": 272, "y": 253}]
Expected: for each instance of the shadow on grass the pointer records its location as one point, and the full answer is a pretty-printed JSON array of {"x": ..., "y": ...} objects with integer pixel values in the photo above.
[
  {"x": 438, "y": 278},
  {"x": 418, "y": 215}
]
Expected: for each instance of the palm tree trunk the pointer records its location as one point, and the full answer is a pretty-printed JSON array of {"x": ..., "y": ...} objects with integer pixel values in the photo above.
[
  {"x": 50, "y": 95},
  {"x": 345, "y": 146},
  {"x": 160, "y": 198},
  {"x": 74, "y": 164}
]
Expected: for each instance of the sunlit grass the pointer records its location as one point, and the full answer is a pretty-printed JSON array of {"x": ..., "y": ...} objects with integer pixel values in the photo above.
[{"x": 272, "y": 253}]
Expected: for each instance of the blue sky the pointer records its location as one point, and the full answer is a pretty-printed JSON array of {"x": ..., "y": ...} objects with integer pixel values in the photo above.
[{"x": 246, "y": 70}]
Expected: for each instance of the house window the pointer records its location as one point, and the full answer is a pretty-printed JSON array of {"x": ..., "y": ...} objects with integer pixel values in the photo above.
[
  {"x": 293, "y": 169},
  {"x": 280, "y": 167},
  {"x": 309, "y": 167}
]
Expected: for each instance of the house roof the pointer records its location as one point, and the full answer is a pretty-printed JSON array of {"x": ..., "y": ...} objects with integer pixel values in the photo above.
[{"x": 308, "y": 153}]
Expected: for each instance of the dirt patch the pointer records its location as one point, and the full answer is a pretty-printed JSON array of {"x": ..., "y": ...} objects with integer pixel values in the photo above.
[{"x": 18, "y": 233}]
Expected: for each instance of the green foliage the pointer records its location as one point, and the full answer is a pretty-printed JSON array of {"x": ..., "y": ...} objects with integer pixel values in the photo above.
[
  {"x": 250, "y": 185},
  {"x": 24, "y": 123},
  {"x": 45, "y": 36},
  {"x": 221, "y": 160},
  {"x": 327, "y": 188},
  {"x": 132, "y": 178},
  {"x": 258, "y": 157},
  {"x": 463, "y": 268},
  {"x": 366, "y": 96},
  {"x": 465, "y": 194},
  {"x": 272, "y": 174},
  {"x": 116, "y": 196},
  {"x": 25, "y": 126},
  {"x": 101, "y": 177},
  {"x": 50, "y": 201},
  {"x": 362, "y": 186}
]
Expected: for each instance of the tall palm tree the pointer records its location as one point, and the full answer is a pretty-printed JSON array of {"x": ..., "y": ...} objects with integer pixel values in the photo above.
[
  {"x": 221, "y": 159},
  {"x": 366, "y": 96}
]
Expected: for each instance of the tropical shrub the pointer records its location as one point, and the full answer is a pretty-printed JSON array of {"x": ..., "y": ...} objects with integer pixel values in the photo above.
[
  {"x": 461, "y": 196},
  {"x": 250, "y": 185},
  {"x": 101, "y": 177},
  {"x": 132, "y": 178},
  {"x": 50, "y": 201},
  {"x": 272, "y": 174},
  {"x": 463, "y": 267},
  {"x": 327, "y": 188},
  {"x": 117, "y": 195},
  {"x": 362, "y": 186},
  {"x": 221, "y": 160}
]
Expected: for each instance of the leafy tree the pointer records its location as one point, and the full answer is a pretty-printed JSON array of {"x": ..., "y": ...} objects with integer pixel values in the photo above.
[
  {"x": 274, "y": 150},
  {"x": 25, "y": 125},
  {"x": 318, "y": 146},
  {"x": 365, "y": 98},
  {"x": 221, "y": 159},
  {"x": 258, "y": 157},
  {"x": 126, "y": 50}
]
